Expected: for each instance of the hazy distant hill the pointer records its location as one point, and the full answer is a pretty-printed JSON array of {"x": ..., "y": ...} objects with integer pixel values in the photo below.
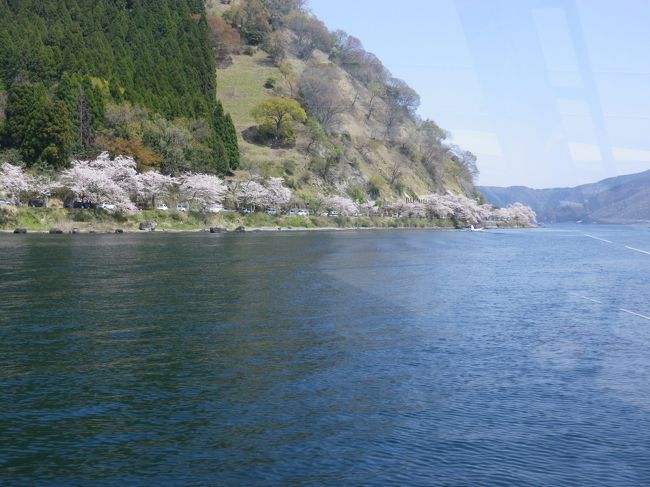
[{"x": 622, "y": 199}]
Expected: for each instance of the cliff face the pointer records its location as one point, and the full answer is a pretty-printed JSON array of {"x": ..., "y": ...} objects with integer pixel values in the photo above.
[{"x": 622, "y": 199}]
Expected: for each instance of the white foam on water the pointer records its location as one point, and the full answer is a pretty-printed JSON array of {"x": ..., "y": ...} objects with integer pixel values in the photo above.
[
  {"x": 635, "y": 314},
  {"x": 598, "y": 238},
  {"x": 638, "y": 250}
]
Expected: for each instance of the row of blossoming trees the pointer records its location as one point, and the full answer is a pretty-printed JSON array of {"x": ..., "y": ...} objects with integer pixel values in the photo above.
[{"x": 117, "y": 182}]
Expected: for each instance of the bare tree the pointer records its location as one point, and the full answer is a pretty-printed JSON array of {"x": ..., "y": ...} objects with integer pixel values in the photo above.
[
  {"x": 465, "y": 159},
  {"x": 320, "y": 91},
  {"x": 279, "y": 9},
  {"x": 429, "y": 139},
  {"x": 377, "y": 91},
  {"x": 348, "y": 52},
  {"x": 395, "y": 171},
  {"x": 403, "y": 95},
  {"x": 310, "y": 34},
  {"x": 289, "y": 76}
]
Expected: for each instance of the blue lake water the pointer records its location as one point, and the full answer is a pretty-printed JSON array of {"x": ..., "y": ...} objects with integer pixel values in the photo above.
[{"x": 342, "y": 358}]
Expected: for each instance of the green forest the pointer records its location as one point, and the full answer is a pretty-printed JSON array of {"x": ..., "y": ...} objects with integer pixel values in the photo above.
[{"x": 134, "y": 77}]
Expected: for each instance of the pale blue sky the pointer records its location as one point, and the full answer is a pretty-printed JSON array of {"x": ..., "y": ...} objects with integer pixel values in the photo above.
[{"x": 545, "y": 92}]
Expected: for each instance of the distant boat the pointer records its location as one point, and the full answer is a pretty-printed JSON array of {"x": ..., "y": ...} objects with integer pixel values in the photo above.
[{"x": 473, "y": 229}]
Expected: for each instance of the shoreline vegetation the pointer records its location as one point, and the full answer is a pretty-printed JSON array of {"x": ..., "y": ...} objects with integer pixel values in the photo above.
[
  {"x": 105, "y": 194},
  {"x": 63, "y": 220}
]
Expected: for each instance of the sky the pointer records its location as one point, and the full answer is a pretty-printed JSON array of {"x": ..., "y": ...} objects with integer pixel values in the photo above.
[{"x": 546, "y": 93}]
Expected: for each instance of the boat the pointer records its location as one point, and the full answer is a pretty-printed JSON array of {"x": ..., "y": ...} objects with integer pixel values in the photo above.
[{"x": 473, "y": 229}]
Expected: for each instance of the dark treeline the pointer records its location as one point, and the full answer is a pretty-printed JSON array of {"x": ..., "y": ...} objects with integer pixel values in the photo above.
[{"x": 78, "y": 75}]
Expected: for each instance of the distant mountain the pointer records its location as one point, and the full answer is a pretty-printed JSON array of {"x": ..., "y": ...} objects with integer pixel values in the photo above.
[{"x": 622, "y": 199}]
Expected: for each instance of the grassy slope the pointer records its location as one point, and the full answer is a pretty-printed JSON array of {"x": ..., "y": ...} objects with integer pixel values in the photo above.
[{"x": 240, "y": 86}]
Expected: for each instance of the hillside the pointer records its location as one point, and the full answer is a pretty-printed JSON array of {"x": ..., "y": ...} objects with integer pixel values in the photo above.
[
  {"x": 290, "y": 99},
  {"x": 622, "y": 199},
  {"x": 364, "y": 138},
  {"x": 134, "y": 78}
]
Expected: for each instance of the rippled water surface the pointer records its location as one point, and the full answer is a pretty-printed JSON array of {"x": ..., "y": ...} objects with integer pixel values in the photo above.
[{"x": 344, "y": 358}]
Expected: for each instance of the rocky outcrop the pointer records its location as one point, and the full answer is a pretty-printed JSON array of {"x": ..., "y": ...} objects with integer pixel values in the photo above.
[{"x": 148, "y": 226}]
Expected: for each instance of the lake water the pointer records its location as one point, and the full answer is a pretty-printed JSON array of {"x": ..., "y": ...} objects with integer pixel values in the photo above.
[{"x": 342, "y": 358}]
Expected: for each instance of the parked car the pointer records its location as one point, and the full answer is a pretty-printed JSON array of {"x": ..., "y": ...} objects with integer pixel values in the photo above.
[
  {"x": 107, "y": 206},
  {"x": 162, "y": 207},
  {"x": 213, "y": 209},
  {"x": 303, "y": 212},
  {"x": 333, "y": 213},
  {"x": 4, "y": 202},
  {"x": 271, "y": 211},
  {"x": 245, "y": 211},
  {"x": 181, "y": 207},
  {"x": 36, "y": 203},
  {"x": 86, "y": 205}
]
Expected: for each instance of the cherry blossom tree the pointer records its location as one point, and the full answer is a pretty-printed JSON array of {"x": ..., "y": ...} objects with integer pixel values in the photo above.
[
  {"x": 103, "y": 180},
  {"x": 415, "y": 210},
  {"x": 201, "y": 190},
  {"x": 277, "y": 195},
  {"x": 152, "y": 184},
  {"x": 369, "y": 208},
  {"x": 438, "y": 206},
  {"x": 42, "y": 187},
  {"x": 518, "y": 213},
  {"x": 250, "y": 194},
  {"x": 14, "y": 182},
  {"x": 341, "y": 204},
  {"x": 121, "y": 170},
  {"x": 91, "y": 184}
]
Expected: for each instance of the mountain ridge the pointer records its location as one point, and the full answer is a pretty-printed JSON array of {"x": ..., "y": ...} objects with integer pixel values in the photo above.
[{"x": 618, "y": 199}]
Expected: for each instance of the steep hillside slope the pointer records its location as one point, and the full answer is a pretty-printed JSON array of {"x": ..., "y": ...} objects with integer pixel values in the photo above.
[
  {"x": 622, "y": 199},
  {"x": 364, "y": 138}
]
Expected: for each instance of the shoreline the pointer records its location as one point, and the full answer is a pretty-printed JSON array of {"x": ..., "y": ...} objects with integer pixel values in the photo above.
[
  {"x": 69, "y": 221},
  {"x": 130, "y": 231}
]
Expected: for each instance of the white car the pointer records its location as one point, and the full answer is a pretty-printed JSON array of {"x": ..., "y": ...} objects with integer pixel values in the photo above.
[
  {"x": 107, "y": 206},
  {"x": 303, "y": 212},
  {"x": 4, "y": 202},
  {"x": 213, "y": 209},
  {"x": 181, "y": 208},
  {"x": 162, "y": 207}
]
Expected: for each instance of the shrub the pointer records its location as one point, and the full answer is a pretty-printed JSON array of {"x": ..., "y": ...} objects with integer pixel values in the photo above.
[
  {"x": 289, "y": 166},
  {"x": 7, "y": 216}
]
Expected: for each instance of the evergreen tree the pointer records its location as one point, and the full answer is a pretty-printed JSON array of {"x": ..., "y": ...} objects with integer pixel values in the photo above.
[{"x": 87, "y": 53}]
